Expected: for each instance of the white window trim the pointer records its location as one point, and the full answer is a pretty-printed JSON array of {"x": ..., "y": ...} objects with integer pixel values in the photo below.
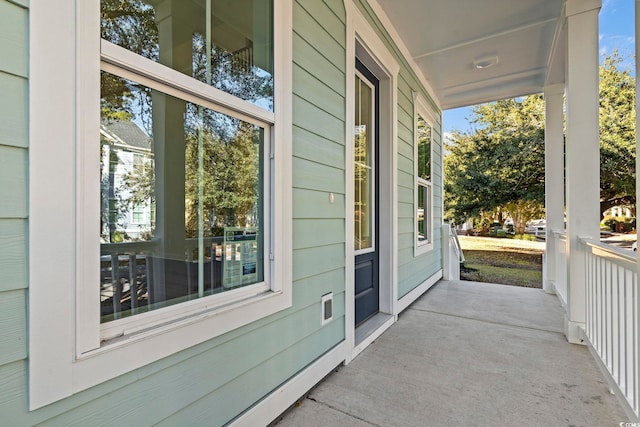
[
  {"x": 364, "y": 43},
  {"x": 63, "y": 245},
  {"x": 373, "y": 155},
  {"x": 422, "y": 109}
]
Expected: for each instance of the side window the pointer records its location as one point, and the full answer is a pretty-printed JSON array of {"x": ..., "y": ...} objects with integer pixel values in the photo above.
[
  {"x": 423, "y": 135},
  {"x": 201, "y": 167},
  {"x": 174, "y": 179}
]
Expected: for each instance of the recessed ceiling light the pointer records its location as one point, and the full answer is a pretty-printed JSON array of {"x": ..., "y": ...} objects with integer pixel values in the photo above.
[{"x": 483, "y": 63}]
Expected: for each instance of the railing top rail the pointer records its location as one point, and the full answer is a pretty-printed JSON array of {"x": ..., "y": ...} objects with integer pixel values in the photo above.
[
  {"x": 611, "y": 253},
  {"x": 453, "y": 236},
  {"x": 559, "y": 234},
  {"x": 124, "y": 248}
]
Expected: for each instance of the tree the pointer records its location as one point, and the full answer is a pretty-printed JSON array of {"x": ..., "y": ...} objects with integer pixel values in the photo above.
[
  {"x": 499, "y": 167},
  {"x": 617, "y": 135},
  {"x": 223, "y": 155}
]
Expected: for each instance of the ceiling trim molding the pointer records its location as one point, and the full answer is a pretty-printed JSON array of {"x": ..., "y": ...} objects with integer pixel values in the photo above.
[
  {"x": 500, "y": 80},
  {"x": 575, "y": 7},
  {"x": 486, "y": 38},
  {"x": 555, "y": 45}
]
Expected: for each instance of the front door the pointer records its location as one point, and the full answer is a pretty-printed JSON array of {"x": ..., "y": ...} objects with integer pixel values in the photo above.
[{"x": 366, "y": 184}]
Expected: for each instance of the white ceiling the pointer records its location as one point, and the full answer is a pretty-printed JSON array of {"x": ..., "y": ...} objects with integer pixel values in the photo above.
[{"x": 449, "y": 38}]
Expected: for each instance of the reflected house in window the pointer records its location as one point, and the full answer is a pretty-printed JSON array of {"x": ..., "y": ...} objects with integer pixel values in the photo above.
[{"x": 126, "y": 174}]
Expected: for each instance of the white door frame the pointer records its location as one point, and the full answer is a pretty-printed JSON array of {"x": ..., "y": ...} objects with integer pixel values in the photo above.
[{"x": 365, "y": 44}]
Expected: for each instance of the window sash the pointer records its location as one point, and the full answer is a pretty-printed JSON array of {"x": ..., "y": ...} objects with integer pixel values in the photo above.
[
  {"x": 425, "y": 188},
  {"x": 423, "y": 117},
  {"x": 172, "y": 83},
  {"x": 370, "y": 168}
]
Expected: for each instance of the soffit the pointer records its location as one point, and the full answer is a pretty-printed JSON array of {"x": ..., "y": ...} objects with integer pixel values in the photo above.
[{"x": 449, "y": 41}]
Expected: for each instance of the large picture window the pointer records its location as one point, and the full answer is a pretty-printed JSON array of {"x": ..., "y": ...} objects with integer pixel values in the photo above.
[
  {"x": 208, "y": 177},
  {"x": 423, "y": 176},
  {"x": 204, "y": 171},
  {"x": 173, "y": 177}
]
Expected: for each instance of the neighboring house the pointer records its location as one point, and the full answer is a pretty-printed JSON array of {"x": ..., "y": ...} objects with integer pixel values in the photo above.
[
  {"x": 619, "y": 212},
  {"x": 126, "y": 155},
  {"x": 296, "y": 150}
]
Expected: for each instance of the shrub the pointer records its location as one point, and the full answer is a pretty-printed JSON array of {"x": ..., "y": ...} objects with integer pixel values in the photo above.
[
  {"x": 618, "y": 224},
  {"x": 527, "y": 237}
]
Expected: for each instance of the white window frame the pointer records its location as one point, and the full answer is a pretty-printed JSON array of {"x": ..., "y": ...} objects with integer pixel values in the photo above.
[
  {"x": 374, "y": 171},
  {"x": 69, "y": 351},
  {"x": 422, "y": 109}
]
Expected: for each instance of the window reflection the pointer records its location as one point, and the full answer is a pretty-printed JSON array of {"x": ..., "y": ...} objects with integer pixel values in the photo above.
[
  {"x": 226, "y": 44},
  {"x": 363, "y": 167},
  {"x": 182, "y": 200},
  {"x": 424, "y": 149}
]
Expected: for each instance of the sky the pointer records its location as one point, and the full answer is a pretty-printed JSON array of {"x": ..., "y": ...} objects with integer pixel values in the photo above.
[{"x": 616, "y": 32}]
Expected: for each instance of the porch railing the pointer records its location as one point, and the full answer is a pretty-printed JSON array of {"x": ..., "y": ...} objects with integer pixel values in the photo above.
[
  {"x": 612, "y": 322},
  {"x": 127, "y": 274},
  {"x": 451, "y": 253},
  {"x": 559, "y": 241}
]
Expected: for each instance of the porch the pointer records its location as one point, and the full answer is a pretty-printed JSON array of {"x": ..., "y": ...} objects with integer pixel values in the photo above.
[{"x": 468, "y": 353}]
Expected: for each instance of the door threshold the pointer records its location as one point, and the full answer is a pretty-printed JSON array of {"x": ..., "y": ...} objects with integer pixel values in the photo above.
[{"x": 370, "y": 330}]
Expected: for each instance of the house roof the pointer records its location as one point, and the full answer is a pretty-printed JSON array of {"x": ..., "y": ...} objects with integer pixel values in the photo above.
[
  {"x": 125, "y": 134},
  {"x": 472, "y": 52}
]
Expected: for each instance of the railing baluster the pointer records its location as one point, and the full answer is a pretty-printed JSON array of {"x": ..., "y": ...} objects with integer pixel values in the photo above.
[
  {"x": 150, "y": 278},
  {"x": 116, "y": 291},
  {"x": 133, "y": 282},
  {"x": 613, "y": 321},
  {"x": 636, "y": 347}
]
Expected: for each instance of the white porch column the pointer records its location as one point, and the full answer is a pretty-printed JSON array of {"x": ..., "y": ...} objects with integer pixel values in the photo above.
[
  {"x": 554, "y": 177},
  {"x": 583, "y": 153}
]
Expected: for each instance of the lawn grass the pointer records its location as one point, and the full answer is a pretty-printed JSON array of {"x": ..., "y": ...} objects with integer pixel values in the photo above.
[{"x": 503, "y": 261}]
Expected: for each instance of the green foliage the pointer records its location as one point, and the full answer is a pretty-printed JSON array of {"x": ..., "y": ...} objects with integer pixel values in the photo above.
[
  {"x": 225, "y": 174},
  {"x": 618, "y": 224},
  {"x": 617, "y": 134},
  {"x": 499, "y": 167},
  {"x": 500, "y": 163},
  {"x": 527, "y": 237}
]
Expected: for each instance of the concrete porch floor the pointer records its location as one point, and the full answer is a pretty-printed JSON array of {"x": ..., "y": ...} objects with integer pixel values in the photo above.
[{"x": 467, "y": 353}]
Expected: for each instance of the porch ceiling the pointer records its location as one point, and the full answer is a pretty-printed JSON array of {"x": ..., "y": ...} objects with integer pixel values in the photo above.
[{"x": 473, "y": 51}]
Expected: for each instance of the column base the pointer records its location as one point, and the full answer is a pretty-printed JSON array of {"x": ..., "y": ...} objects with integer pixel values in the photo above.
[
  {"x": 549, "y": 286},
  {"x": 574, "y": 331}
]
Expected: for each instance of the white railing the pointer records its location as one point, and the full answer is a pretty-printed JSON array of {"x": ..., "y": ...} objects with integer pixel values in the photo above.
[
  {"x": 455, "y": 245},
  {"x": 560, "y": 265},
  {"x": 451, "y": 253},
  {"x": 612, "y": 322}
]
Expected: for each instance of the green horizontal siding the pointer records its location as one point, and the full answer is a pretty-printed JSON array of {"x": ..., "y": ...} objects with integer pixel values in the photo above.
[
  {"x": 13, "y": 254},
  {"x": 309, "y": 233},
  {"x": 312, "y": 261},
  {"x": 13, "y": 182},
  {"x": 13, "y": 38},
  {"x": 314, "y": 119},
  {"x": 316, "y": 204},
  {"x": 13, "y": 326},
  {"x": 309, "y": 28},
  {"x": 314, "y": 147},
  {"x": 13, "y": 110}
]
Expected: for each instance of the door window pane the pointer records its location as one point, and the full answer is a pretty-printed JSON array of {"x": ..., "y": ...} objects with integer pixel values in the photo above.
[
  {"x": 226, "y": 44},
  {"x": 197, "y": 176},
  {"x": 363, "y": 167}
]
